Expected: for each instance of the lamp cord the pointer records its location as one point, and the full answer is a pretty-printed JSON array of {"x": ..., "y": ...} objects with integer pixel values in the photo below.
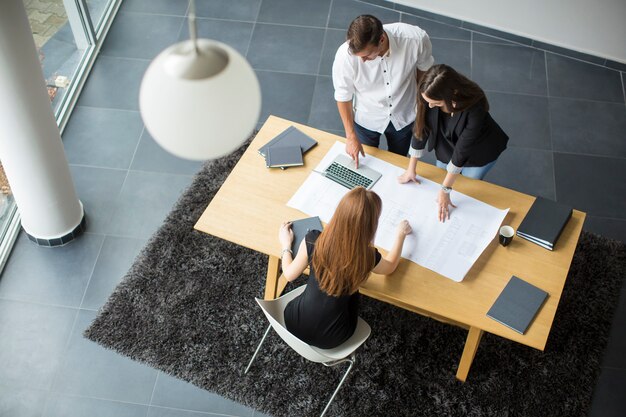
[{"x": 192, "y": 25}]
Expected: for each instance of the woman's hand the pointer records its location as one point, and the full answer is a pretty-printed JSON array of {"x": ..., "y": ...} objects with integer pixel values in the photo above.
[
  {"x": 285, "y": 235},
  {"x": 444, "y": 204},
  {"x": 408, "y": 176},
  {"x": 404, "y": 228}
]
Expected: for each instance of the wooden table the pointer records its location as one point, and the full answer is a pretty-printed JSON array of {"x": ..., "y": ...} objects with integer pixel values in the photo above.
[{"x": 252, "y": 203}]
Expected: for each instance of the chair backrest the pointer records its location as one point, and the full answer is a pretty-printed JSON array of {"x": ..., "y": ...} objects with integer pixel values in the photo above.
[{"x": 274, "y": 311}]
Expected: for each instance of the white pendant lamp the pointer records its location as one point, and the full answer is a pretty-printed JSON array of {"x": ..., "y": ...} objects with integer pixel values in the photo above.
[{"x": 199, "y": 99}]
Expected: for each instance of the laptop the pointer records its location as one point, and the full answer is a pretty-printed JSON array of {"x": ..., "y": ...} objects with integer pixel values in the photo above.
[{"x": 342, "y": 170}]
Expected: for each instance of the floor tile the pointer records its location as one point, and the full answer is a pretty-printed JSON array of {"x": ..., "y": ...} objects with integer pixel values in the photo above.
[
  {"x": 102, "y": 137},
  {"x": 138, "y": 35},
  {"x": 482, "y": 38},
  {"x": 146, "y": 198},
  {"x": 529, "y": 171},
  {"x": 56, "y": 276},
  {"x": 55, "y": 53},
  {"x": 246, "y": 10},
  {"x": 332, "y": 41},
  {"x": 608, "y": 399},
  {"x": 576, "y": 79},
  {"x": 151, "y": 157},
  {"x": 175, "y": 393},
  {"x": 456, "y": 54},
  {"x": 324, "y": 112},
  {"x": 592, "y": 184},
  {"x": 98, "y": 189},
  {"x": 286, "y": 95},
  {"x": 114, "y": 83},
  {"x": 89, "y": 370},
  {"x": 21, "y": 402},
  {"x": 167, "y": 7},
  {"x": 524, "y": 118},
  {"x": 437, "y": 30},
  {"x": 34, "y": 338},
  {"x": 234, "y": 34},
  {"x": 589, "y": 127},
  {"x": 611, "y": 228},
  {"x": 295, "y": 12},
  {"x": 176, "y": 412},
  {"x": 65, "y": 406},
  {"x": 614, "y": 356},
  {"x": 343, "y": 12},
  {"x": 286, "y": 48},
  {"x": 509, "y": 69},
  {"x": 115, "y": 259}
]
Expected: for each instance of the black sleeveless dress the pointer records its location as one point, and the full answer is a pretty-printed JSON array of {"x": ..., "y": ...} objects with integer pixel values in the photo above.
[{"x": 320, "y": 319}]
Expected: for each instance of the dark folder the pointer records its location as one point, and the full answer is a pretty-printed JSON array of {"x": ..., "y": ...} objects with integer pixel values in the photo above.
[
  {"x": 517, "y": 305},
  {"x": 290, "y": 136},
  {"x": 544, "y": 222},
  {"x": 283, "y": 156},
  {"x": 301, "y": 228}
]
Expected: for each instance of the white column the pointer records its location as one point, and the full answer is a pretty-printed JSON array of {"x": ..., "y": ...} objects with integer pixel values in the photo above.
[{"x": 31, "y": 150}]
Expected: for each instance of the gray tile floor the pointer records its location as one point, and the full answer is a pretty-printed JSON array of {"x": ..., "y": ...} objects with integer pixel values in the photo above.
[{"x": 566, "y": 120}]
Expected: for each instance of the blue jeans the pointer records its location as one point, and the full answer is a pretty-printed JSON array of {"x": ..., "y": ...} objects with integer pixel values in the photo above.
[
  {"x": 477, "y": 173},
  {"x": 398, "y": 141}
]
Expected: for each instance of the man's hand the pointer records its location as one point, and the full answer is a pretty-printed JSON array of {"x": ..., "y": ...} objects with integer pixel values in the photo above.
[
  {"x": 408, "y": 176},
  {"x": 354, "y": 148},
  {"x": 444, "y": 203}
]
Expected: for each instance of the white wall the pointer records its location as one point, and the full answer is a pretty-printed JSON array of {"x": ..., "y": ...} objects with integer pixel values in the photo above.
[{"x": 596, "y": 27}]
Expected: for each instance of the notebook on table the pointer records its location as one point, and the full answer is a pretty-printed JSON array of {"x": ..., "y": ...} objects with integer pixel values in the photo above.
[
  {"x": 301, "y": 227},
  {"x": 544, "y": 222},
  {"x": 290, "y": 136},
  {"x": 283, "y": 156},
  {"x": 517, "y": 305}
]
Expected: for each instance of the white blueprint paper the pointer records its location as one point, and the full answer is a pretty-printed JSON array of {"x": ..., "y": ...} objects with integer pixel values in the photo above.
[{"x": 449, "y": 248}]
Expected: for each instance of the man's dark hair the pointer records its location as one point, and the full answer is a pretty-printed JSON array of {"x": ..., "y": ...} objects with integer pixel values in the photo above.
[{"x": 363, "y": 31}]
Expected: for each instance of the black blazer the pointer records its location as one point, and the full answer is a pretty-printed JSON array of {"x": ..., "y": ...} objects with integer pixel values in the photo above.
[{"x": 475, "y": 138}]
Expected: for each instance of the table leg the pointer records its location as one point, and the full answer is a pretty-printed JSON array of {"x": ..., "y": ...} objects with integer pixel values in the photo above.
[
  {"x": 271, "y": 282},
  {"x": 471, "y": 346}
]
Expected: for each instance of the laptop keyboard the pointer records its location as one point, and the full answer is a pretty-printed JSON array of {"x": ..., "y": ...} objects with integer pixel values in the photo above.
[{"x": 346, "y": 177}]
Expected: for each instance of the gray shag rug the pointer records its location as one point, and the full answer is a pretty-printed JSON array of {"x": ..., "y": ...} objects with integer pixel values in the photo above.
[{"x": 187, "y": 307}]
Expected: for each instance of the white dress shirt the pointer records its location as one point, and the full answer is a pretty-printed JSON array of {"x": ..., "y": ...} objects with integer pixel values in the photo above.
[{"x": 384, "y": 89}]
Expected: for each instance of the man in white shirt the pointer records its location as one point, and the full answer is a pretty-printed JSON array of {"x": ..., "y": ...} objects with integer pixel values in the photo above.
[{"x": 378, "y": 66}]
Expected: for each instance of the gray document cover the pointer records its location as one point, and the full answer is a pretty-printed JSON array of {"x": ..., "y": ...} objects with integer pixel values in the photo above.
[
  {"x": 283, "y": 156},
  {"x": 290, "y": 136},
  {"x": 301, "y": 228},
  {"x": 518, "y": 304}
]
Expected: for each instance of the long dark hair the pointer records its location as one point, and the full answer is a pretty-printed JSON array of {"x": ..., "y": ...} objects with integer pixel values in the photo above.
[
  {"x": 344, "y": 256},
  {"x": 442, "y": 82}
]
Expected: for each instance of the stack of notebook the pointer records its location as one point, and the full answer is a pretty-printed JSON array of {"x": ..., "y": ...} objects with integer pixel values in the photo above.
[
  {"x": 286, "y": 149},
  {"x": 517, "y": 305},
  {"x": 544, "y": 222}
]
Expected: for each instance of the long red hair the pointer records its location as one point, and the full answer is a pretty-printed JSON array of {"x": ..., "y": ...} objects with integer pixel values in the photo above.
[{"x": 344, "y": 256}]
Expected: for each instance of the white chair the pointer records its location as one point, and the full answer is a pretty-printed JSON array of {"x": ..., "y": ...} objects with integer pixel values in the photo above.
[{"x": 274, "y": 311}]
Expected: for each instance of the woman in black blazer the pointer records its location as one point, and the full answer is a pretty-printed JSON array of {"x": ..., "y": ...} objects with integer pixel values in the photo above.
[{"x": 453, "y": 119}]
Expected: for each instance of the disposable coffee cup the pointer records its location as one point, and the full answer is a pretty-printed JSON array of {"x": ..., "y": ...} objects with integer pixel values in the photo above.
[{"x": 506, "y": 235}]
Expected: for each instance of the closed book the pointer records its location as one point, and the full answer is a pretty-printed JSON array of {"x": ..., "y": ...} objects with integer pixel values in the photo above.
[
  {"x": 301, "y": 227},
  {"x": 290, "y": 136},
  {"x": 517, "y": 305},
  {"x": 283, "y": 156},
  {"x": 544, "y": 222}
]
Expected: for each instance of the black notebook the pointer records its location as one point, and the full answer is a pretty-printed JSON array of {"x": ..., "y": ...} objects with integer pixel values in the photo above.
[
  {"x": 283, "y": 156},
  {"x": 301, "y": 228},
  {"x": 517, "y": 305},
  {"x": 544, "y": 222},
  {"x": 290, "y": 136}
]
